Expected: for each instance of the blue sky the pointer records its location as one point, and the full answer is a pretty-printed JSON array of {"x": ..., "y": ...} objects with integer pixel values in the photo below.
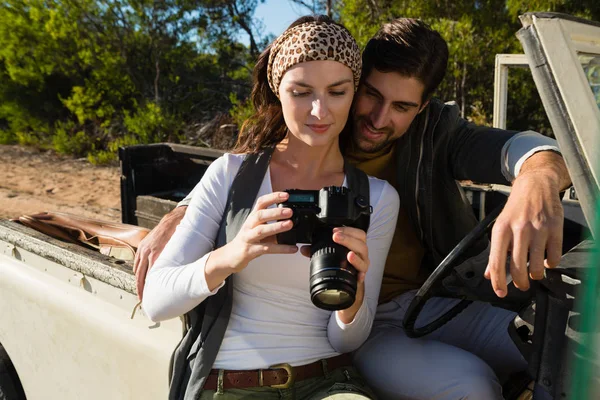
[{"x": 276, "y": 15}]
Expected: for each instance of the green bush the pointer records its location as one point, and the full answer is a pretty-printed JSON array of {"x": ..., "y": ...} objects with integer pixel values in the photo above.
[
  {"x": 150, "y": 124},
  {"x": 102, "y": 157},
  {"x": 7, "y": 137},
  {"x": 124, "y": 141},
  {"x": 111, "y": 155},
  {"x": 88, "y": 103},
  {"x": 68, "y": 139},
  {"x": 83, "y": 77},
  {"x": 28, "y": 138},
  {"x": 22, "y": 127},
  {"x": 240, "y": 110}
]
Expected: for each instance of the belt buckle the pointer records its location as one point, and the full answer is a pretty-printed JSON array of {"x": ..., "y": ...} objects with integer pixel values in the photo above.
[{"x": 291, "y": 375}]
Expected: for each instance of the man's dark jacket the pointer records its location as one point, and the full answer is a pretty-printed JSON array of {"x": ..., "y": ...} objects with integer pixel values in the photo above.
[{"x": 440, "y": 148}]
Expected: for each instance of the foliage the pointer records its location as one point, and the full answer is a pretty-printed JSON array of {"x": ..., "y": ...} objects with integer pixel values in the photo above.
[
  {"x": 110, "y": 155},
  {"x": 70, "y": 139},
  {"x": 7, "y": 137},
  {"x": 240, "y": 110},
  {"x": 150, "y": 124},
  {"x": 87, "y": 76},
  {"x": 82, "y": 75}
]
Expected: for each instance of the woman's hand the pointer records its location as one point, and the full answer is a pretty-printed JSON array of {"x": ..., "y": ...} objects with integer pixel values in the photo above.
[
  {"x": 255, "y": 238},
  {"x": 257, "y": 235},
  {"x": 355, "y": 240}
]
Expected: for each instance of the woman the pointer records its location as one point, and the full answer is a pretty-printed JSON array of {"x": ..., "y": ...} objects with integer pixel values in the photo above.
[{"x": 304, "y": 83}]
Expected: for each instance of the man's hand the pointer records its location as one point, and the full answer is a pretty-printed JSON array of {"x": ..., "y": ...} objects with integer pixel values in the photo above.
[
  {"x": 530, "y": 224},
  {"x": 153, "y": 244}
]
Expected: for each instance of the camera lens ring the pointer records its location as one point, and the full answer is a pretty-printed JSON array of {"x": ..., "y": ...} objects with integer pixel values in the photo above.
[{"x": 333, "y": 280}]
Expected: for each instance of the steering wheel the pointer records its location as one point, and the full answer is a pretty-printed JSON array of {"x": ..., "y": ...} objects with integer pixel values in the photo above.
[{"x": 442, "y": 271}]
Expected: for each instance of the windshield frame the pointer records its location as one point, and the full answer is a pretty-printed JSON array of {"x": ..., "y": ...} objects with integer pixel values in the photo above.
[{"x": 551, "y": 44}]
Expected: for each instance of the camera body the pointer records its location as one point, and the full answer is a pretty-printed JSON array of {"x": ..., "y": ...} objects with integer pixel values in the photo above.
[
  {"x": 333, "y": 279},
  {"x": 315, "y": 210}
]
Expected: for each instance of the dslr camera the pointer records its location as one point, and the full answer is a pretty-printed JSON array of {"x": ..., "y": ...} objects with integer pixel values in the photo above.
[{"x": 333, "y": 279}]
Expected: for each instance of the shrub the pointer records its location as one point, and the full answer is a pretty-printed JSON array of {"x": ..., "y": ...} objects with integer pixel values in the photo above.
[
  {"x": 150, "y": 124},
  {"x": 68, "y": 139},
  {"x": 20, "y": 126},
  {"x": 88, "y": 103},
  {"x": 240, "y": 110},
  {"x": 7, "y": 137},
  {"x": 111, "y": 155},
  {"x": 28, "y": 138},
  {"x": 102, "y": 157}
]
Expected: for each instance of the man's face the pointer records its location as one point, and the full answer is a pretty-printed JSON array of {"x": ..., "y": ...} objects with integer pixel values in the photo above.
[{"x": 384, "y": 107}]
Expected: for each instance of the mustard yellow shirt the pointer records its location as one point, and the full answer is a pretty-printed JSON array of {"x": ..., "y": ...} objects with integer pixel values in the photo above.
[{"x": 403, "y": 263}]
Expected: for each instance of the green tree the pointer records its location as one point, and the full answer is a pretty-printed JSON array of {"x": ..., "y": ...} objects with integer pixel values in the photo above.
[{"x": 81, "y": 75}]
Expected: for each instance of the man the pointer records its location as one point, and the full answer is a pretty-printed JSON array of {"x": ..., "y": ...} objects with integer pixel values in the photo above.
[{"x": 422, "y": 146}]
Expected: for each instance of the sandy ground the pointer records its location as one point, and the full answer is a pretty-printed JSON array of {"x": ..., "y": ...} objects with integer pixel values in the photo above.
[{"x": 33, "y": 181}]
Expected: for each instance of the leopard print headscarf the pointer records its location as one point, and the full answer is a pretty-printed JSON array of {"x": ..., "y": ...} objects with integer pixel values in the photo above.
[{"x": 312, "y": 41}]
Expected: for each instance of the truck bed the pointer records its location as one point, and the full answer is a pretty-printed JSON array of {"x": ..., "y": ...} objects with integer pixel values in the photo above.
[{"x": 66, "y": 322}]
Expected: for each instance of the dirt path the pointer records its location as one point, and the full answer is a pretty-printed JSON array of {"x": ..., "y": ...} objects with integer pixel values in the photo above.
[{"x": 32, "y": 181}]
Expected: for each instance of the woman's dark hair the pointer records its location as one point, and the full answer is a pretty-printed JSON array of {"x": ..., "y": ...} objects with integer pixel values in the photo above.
[{"x": 267, "y": 126}]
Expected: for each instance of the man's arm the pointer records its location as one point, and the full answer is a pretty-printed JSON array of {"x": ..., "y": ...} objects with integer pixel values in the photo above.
[
  {"x": 153, "y": 244},
  {"x": 488, "y": 155},
  {"x": 532, "y": 220},
  {"x": 530, "y": 224}
]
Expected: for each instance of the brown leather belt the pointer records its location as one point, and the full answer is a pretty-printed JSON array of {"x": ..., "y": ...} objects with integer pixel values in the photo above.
[{"x": 280, "y": 376}]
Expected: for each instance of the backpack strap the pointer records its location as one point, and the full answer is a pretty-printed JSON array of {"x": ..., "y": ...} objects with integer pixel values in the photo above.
[
  {"x": 242, "y": 194},
  {"x": 358, "y": 183},
  {"x": 194, "y": 357}
]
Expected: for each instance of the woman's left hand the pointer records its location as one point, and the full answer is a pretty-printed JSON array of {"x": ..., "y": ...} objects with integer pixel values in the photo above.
[{"x": 355, "y": 240}]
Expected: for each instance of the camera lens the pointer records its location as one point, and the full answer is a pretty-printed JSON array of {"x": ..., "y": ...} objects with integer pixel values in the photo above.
[{"x": 332, "y": 277}]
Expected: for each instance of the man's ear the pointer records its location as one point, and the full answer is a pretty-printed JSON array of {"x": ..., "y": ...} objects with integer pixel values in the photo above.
[{"x": 424, "y": 105}]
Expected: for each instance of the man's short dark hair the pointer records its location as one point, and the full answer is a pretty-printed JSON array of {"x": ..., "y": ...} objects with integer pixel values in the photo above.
[{"x": 410, "y": 47}]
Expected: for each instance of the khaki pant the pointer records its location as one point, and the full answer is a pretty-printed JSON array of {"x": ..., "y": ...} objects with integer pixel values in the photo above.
[
  {"x": 340, "y": 384},
  {"x": 468, "y": 358}
]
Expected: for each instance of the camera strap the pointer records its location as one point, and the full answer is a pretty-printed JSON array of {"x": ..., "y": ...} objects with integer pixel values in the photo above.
[{"x": 358, "y": 183}]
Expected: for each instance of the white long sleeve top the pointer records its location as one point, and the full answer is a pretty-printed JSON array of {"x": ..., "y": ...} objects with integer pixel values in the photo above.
[{"x": 273, "y": 319}]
